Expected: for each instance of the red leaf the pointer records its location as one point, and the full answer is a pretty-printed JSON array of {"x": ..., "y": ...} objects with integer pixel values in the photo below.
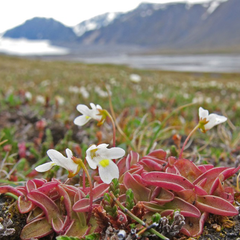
[
  {"x": 186, "y": 209},
  {"x": 188, "y": 169},
  {"x": 162, "y": 195},
  {"x": 193, "y": 227},
  {"x": 24, "y": 205},
  {"x": 49, "y": 207},
  {"x": 167, "y": 180},
  {"x": 141, "y": 193},
  {"x": 159, "y": 154},
  {"x": 215, "y": 205}
]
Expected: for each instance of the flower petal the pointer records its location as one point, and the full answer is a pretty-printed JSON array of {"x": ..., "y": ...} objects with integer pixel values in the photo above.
[
  {"x": 45, "y": 167},
  {"x": 62, "y": 161},
  {"x": 111, "y": 153},
  {"x": 203, "y": 113},
  {"x": 69, "y": 153},
  {"x": 214, "y": 120},
  {"x": 107, "y": 174},
  {"x": 83, "y": 109},
  {"x": 81, "y": 120},
  {"x": 89, "y": 159}
]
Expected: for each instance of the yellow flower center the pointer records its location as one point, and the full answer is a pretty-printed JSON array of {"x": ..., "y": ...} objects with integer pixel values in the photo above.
[
  {"x": 87, "y": 117},
  {"x": 93, "y": 153},
  {"x": 104, "y": 162}
]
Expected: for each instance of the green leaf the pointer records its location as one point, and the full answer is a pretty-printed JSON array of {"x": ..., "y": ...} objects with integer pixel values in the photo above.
[
  {"x": 129, "y": 199},
  {"x": 67, "y": 238}
]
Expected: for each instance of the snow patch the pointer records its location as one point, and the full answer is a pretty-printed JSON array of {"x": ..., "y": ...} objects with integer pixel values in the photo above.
[
  {"x": 95, "y": 23},
  {"x": 24, "y": 47}
]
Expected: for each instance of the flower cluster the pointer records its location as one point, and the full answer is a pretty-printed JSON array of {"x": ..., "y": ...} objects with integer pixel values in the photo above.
[{"x": 97, "y": 156}]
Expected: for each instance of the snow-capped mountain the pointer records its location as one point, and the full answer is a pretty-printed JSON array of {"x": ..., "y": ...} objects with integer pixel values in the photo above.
[
  {"x": 170, "y": 26},
  {"x": 95, "y": 23}
]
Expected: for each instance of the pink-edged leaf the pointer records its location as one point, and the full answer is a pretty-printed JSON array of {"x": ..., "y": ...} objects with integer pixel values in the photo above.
[
  {"x": 24, "y": 204},
  {"x": 151, "y": 164},
  {"x": 99, "y": 190},
  {"x": 205, "y": 167},
  {"x": 39, "y": 182},
  {"x": 30, "y": 185},
  {"x": 48, "y": 187},
  {"x": 215, "y": 205},
  {"x": 162, "y": 195},
  {"x": 159, "y": 154},
  {"x": 211, "y": 175},
  {"x": 188, "y": 169},
  {"x": 35, "y": 214},
  {"x": 131, "y": 159},
  {"x": 226, "y": 193},
  {"x": 167, "y": 180},
  {"x": 200, "y": 191},
  {"x": 49, "y": 207},
  {"x": 185, "y": 208},
  {"x": 135, "y": 169},
  {"x": 75, "y": 229},
  {"x": 10, "y": 189},
  {"x": 141, "y": 193},
  {"x": 193, "y": 227},
  {"x": 66, "y": 200},
  {"x": 83, "y": 205},
  {"x": 172, "y": 170},
  {"x": 188, "y": 195},
  {"x": 36, "y": 229}
]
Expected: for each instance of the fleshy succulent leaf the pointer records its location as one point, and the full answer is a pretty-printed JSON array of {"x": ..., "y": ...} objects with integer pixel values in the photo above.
[
  {"x": 36, "y": 229},
  {"x": 186, "y": 209},
  {"x": 215, "y": 205},
  {"x": 194, "y": 226},
  {"x": 188, "y": 169},
  {"x": 141, "y": 193},
  {"x": 24, "y": 204},
  {"x": 49, "y": 207},
  {"x": 167, "y": 180}
]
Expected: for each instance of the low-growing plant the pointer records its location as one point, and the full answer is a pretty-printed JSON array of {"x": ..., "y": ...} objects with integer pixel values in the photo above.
[{"x": 154, "y": 195}]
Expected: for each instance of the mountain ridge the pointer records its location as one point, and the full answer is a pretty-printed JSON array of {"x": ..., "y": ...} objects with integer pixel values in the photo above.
[{"x": 170, "y": 26}]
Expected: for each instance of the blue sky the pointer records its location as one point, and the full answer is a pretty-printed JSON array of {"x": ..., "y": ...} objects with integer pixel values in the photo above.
[{"x": 69, "y": 12}]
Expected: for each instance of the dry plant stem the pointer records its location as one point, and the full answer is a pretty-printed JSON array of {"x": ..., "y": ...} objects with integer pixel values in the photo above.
[
  {"x": 160, "y": 126},
  {"x": 114, "y": 128},
  {"x": 188, "y": 137},
  {"x": 118, "y": 127},
  {"x": 90, "y": 186},
  {"x": 238, "y": 176},
  {"x": 125, "y": 210}
]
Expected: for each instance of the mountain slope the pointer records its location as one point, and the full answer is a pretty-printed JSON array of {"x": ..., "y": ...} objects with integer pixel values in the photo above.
[
  {"x": 95, "y": 23},
  {"x": 173, "y": 26},
  {"x": 42, "y": 28}
]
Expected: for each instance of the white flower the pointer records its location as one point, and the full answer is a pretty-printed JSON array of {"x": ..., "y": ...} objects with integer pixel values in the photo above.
[
  {"x": 135, "y": 78},
  {"x": 87, "y": 114},
  {"x": 100, "y": 156},
  {"x": 59, "y": 160},
  {"x": 208, "y": 121}
]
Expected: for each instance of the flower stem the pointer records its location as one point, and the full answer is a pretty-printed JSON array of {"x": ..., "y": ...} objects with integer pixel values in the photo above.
[
  {"x": 163, "y": 122},
  {"x": 188, "y": 137},
  {"x": 117, "y": 125},
  {"x": 130, "y": 214},
  {"x": 90, "y": 186}
]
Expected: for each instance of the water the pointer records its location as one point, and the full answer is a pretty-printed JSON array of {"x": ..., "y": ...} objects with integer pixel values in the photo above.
[
  {"x": 218, "y": 63},
  {"x": 189, "y": 63}
]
